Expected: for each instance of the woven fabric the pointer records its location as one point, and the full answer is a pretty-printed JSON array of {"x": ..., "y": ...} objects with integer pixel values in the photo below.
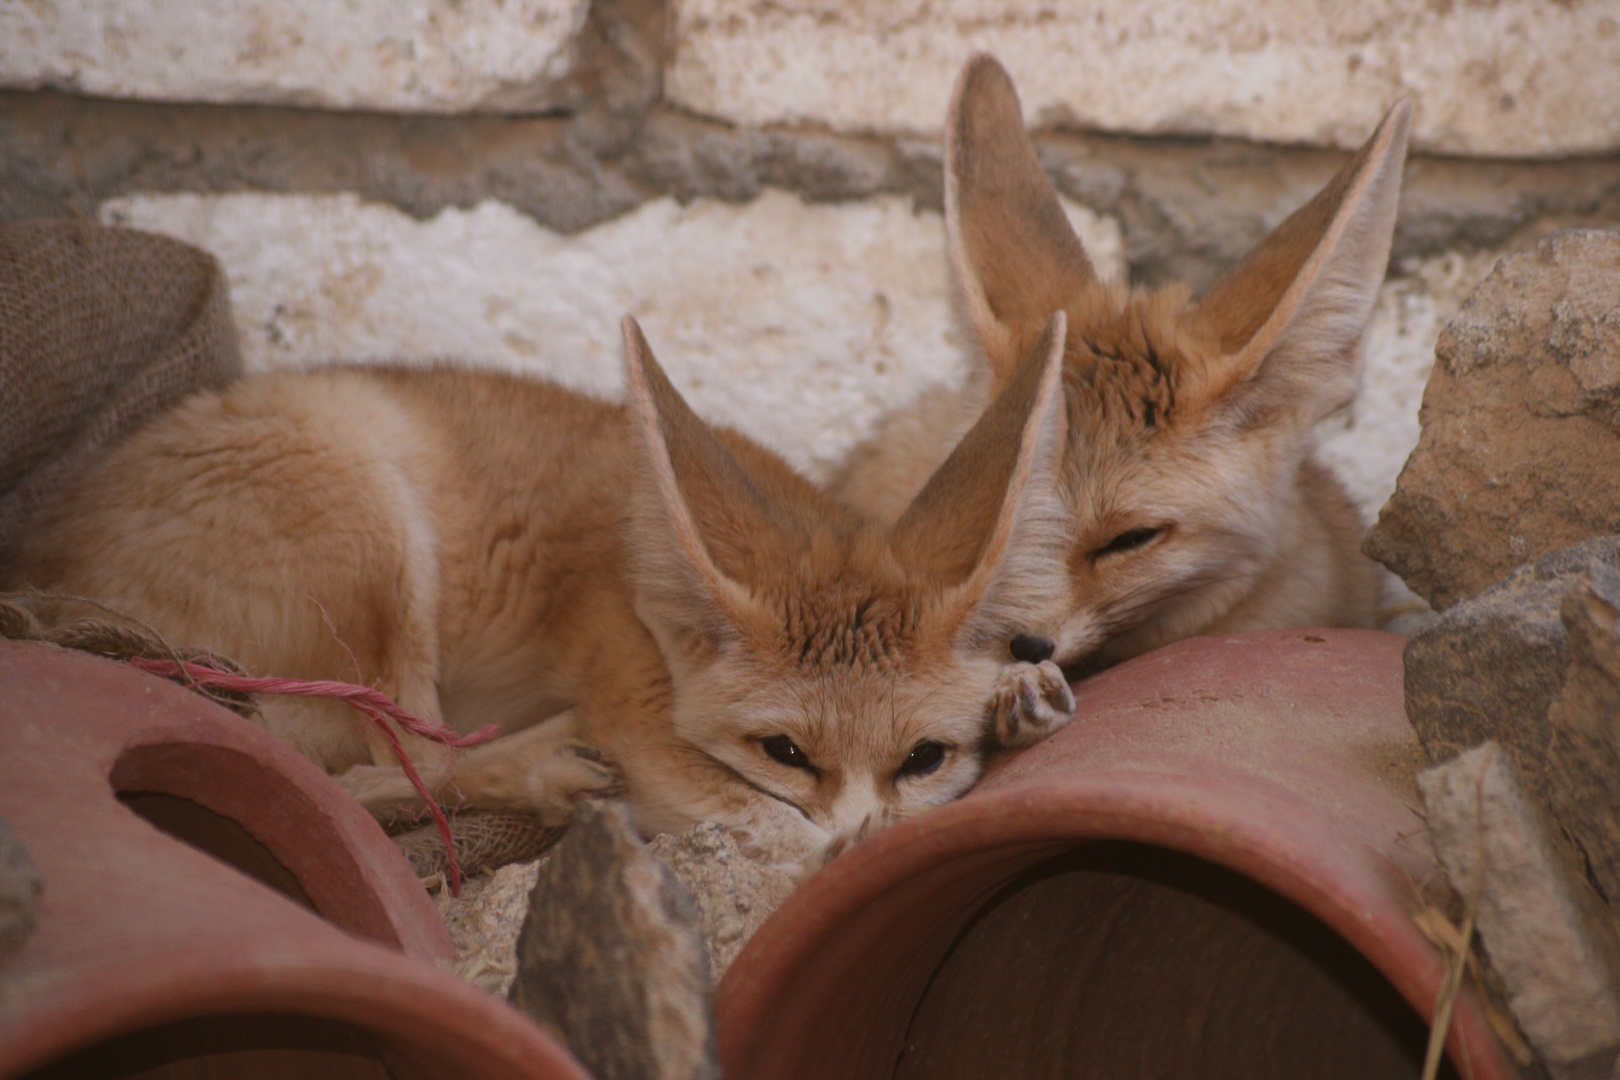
[
  {"x": 60, "y": 620},
  {"x": 100, "y": 328},
  {"x": 484, "y": 840}
]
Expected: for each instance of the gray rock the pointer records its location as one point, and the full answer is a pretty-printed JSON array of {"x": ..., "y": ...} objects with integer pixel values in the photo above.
[
  {"x": 1491, "y": 666},
  {"x": 20, "y": 889},
  {"x": 611, "y": 959},
  {"x": 1583, "y": 739},
  {"x": 1550, "y": 939},
  {"x": 1533, "y": 663},
  {"x": 1520, "y": 450}
]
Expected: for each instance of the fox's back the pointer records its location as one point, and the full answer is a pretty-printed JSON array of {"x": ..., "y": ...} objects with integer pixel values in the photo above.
[
  {"x": 486, "y": 503},
  {"x": 291, "y": 455}
]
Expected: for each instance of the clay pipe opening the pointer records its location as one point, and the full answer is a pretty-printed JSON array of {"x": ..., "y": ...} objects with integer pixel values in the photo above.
[{"x": 1121, "y": 959}]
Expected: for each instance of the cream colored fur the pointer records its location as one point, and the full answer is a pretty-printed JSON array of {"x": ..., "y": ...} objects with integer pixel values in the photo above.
[
  {"x": 1196, "y": 508},
  {"x": 634, "y": 599}
]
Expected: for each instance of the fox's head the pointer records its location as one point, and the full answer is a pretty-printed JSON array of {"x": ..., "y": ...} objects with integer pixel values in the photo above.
[
  {"x": 1188, "y": 421},
  {"x": 830, "y": 675}
]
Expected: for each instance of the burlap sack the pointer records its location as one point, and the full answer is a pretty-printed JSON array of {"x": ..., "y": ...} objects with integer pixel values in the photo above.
[
  {"x": 483, "y": 839},
  {"x": 100, "y": 328}
]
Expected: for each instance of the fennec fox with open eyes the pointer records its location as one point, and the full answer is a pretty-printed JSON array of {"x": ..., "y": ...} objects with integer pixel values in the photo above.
[
  {"x": 1197, "y": 509},
  {"x": 593, "y": 579}
]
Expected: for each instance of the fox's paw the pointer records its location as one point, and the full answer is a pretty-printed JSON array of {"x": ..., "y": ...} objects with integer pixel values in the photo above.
[
  {"x": 843, "y": 841},
  {"x": 1031, "y": 702},
  {"x": 568, "y": 772}
]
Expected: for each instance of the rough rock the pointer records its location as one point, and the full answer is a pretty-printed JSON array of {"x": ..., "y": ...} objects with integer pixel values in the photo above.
[
  {"x": 1510, "y": 78},
  {"x": 1550, "y": 939},
  {"x": 1583, "y": 747},
  {"x": 1520, "y": 448},
  {"x": 20, "y": 889},
  {"x": 734, "y": 893},
  {"x": 611, "y": 958},
  {"x": 1492, "y": 666},
  {"x": 426, "y": 55}
]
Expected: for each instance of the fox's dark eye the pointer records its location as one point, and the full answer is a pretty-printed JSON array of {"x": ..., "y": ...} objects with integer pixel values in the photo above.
[
  {"x": 923, "y": 759},
  {"x": 785, "y": 750},
  {"x": 1125, "y": 541}
]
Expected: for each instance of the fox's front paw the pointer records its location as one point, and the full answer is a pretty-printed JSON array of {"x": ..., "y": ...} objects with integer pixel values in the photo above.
[
  {"x": 571, "y": 771},
  {"x": 1031, "y": 702}
]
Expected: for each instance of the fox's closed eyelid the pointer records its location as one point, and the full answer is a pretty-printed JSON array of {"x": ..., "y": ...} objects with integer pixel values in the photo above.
[{"x": 1131, "y": 539}]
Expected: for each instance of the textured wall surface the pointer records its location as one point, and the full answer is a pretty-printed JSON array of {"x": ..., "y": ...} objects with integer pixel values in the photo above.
[
  {"x": 429, "y": 55},
  {"x": 1511, "y": 77}
]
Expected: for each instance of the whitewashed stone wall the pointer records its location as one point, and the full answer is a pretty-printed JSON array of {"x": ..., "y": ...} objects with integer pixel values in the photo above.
[
  {"x": 1511, "y": 77},
  {"x": 412, "y": 55}
]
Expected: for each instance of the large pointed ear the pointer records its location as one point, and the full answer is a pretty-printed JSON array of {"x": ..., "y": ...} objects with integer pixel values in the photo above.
[
  {"x": 990, "y": 523},
  {"x": 1290, "y": 316},
  {"x": 692, "y": 501},
  {"x": 1017, "y": 258}
]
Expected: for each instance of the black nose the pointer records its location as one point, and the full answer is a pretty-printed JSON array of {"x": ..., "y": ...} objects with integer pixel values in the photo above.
[{"x": 1031, "y": 649}]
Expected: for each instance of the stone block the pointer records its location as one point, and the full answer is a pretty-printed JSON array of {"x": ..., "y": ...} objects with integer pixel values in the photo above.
[
  {"x": 1550, "y": 939},
  {"x": 416, "y": 56},
  {"x": 1492, "y": 666},
  {"x": 1583, "y": 740},
  {"x": 1533, "y": 664},
  {"x": 1508, "y": 78},
  {"x": 1520, "y": 447},
  {"x": 611, "y": 958}
]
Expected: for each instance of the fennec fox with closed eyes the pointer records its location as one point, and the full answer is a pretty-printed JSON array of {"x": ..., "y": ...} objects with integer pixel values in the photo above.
[
  {"x": 1196, "y": 506},
  {"x": 595, "y": 579}
]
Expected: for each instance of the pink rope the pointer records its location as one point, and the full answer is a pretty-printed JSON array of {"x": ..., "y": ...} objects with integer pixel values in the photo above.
[{"x": 375, "y": 705}]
